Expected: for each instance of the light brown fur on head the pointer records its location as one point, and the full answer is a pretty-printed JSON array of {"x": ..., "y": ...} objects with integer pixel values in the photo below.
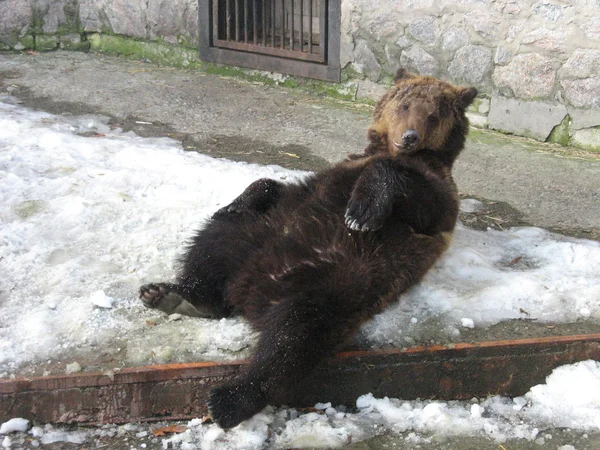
[{"x": 420, "y": 113}]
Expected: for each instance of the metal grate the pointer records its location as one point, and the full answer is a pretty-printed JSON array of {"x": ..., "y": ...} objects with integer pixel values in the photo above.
[
  {"x": 287, "y": 28},
  {"x": 299, "y": 37}
]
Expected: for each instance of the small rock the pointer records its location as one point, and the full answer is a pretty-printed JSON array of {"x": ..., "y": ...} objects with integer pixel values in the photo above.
[{"x": 73, "y": 367}]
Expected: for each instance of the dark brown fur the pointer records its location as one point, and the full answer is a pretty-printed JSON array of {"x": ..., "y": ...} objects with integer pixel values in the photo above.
[{"x": 308, "y": 263}]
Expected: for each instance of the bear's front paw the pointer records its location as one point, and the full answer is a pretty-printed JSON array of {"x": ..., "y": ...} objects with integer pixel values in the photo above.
[
  {"x": 364, "y": 215},
  {"x": 231, "y": 404}
]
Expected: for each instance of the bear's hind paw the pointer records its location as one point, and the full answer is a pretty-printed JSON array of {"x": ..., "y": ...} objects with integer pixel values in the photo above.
[{"x": 230, "y": 405}]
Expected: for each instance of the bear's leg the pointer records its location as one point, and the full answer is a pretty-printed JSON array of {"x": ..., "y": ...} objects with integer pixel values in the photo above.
[
  {"x": 298, "y": 335},
  {"x": 259, "y": 197},
  {"x": 216, "y": 253}
]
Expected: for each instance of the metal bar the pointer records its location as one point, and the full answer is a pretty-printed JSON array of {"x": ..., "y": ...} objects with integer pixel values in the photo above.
[
  {"x": 178, "y": 391},
  {"x": 282, "y": 24},
  {"x": 237, "y": 20},
  {"x": 273, "y": 7},
  {"x": 323, "y": 28},
  {"x": 228, "y": 19},
  {"x": 254, "y": 22},
  {"x": 310, "y": 25},
  {"x": 301, "y": 25},
  {"x": 246, "y": 21},
  {"x": 292, "y": 25},
  {"x": 264, "y": 23},
  {"x": 277, "y": 51},
  {"x": 331, "y": 55},
  {"x": 215, "y": 21}
]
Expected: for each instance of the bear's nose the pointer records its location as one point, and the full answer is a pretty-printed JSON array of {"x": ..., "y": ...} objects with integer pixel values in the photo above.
[{"x": 411, "y": 138}]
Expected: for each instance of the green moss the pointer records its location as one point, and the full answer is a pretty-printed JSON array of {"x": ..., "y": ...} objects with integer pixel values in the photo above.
[
  {"x": 561, "y": 133},
  {"x": 28, "y": 41},
  {"x": 45, "y": 42},
  {"x": 156, "y": 52},
  {"x": 162, "y": 53},
  {"x": 348, "y": 73},
  {"x": 76, "y": 45}
]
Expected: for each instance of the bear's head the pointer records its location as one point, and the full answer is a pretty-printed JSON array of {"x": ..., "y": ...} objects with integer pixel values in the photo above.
[{"x": 421, "y": 113}]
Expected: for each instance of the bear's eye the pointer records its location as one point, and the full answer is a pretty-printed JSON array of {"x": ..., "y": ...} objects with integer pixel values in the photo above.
[
  {"x": 405, "y": 107},
  {"x": 433, "y": 119}
]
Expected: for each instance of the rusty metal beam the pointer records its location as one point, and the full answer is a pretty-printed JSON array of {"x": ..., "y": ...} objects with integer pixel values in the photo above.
[{"x": 179, "y": 391}]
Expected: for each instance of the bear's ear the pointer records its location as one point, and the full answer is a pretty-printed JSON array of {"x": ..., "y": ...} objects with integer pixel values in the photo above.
[
  {"x": 466, "y": 95},
  {"x": 402, "y": 74}
]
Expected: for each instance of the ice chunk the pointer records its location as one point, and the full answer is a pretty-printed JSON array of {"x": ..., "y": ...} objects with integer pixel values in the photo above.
[
  {"x": 99, "y": 298},
  {"x": 15, "y": 424},
  {"x": 467, "y": 323}
]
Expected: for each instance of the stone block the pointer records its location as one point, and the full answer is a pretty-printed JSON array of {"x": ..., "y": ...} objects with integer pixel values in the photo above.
[
  {"x": 392, "y": 54},
  {"x": 529, "y": 76},
  {"x": 453, "y": 39},
  {"x": 592, "y": 28},
  {"x": 365, "y": 60},
  {"x": 383, "y": 25},
  {"x": 525, "y": 118},
  {"x": 126, "y": 17},
  {"x": 548, "y": 11},
  {"x": 584, "y": 118},
  {"x": 92, "y": 15},
  {"x": 553, "y": 40},
  {"x": 588, "y": 138},
  {"x": 583, "y": 93},
  {"x": 50, "y": 16},
  {"x": 424, "y": 30},
  {"x": 415, "y": 58},
  {"x": 369, "y": 90},
  {"x": 15, "y": 16},
  {"x": 471, "y": 64},
  {"x": 484, "y": 24},
  {"x": 503, "y": 55},
  {"x": 582, "y": 63},
  {"x": 171, "y": 19}
]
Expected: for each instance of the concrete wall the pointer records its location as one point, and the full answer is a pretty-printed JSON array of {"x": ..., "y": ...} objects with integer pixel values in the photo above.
[{"x": 536, "y": 63}]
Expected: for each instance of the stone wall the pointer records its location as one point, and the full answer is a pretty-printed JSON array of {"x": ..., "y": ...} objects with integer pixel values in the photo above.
[{"x": 536, "y": 63}]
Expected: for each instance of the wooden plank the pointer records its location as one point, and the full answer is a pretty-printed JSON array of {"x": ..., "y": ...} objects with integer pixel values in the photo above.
[{"x": 179, "y": 391}]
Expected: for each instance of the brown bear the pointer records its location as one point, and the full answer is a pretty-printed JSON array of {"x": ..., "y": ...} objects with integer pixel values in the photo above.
[{"x": 307, "y": 263}]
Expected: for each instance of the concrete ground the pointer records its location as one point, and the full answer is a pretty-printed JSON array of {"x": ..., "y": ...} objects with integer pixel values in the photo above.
[
  {"x": 546, "y": 185},
  {"x": 521, "y": 181}
]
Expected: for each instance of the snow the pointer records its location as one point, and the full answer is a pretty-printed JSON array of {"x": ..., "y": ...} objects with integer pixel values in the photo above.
[
  {"x": 557, "y": 403},
  {"x": 15, "y": 424},
  {"x": 467, "y": 323},
  {"x": 90, "y": 213}
]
